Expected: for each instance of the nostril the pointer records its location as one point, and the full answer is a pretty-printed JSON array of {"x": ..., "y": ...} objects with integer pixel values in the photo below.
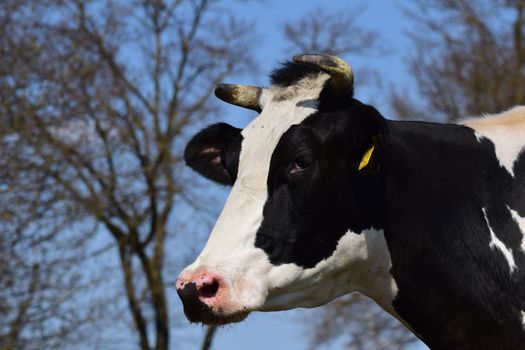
[
  {"x": 180, "y": 284},
  {"x": 209, "y": 290}
]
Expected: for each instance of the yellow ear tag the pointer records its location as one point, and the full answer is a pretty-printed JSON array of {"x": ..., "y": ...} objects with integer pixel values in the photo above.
[{"x": 366, "y": 157}]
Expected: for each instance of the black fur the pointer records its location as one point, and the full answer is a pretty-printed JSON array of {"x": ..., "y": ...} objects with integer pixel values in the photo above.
[
  {"x": 214, "y": 153},
  {"x": 194, "y": 309},
  {"x": 307, "y": 213},
  {"x": 291, "y": 72},
  {"x": 454, "y": 290}
]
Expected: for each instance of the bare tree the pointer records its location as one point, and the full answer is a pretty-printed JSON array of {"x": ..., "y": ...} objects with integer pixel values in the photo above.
[
  {"x": 361, "y": 324},
  {"x": 99, "y": 95},
  {"x": 337, "y": 33},
  {"x": 354, "y": 318},
  {"x": 39, "y": 277},
  {"x": 469, "y": 56}
]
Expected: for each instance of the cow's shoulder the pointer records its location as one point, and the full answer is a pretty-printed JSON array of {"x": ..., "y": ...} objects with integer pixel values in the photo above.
[{"x": 457, "y": 244}]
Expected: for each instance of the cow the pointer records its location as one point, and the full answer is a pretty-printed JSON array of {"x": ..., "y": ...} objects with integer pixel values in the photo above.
[{"x": 328, "y": 197}]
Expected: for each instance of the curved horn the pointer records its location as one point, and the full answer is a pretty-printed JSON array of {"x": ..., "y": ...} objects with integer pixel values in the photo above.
[
  {"x": 240, "y": 95},
  {"x": 337, "y": 68}
]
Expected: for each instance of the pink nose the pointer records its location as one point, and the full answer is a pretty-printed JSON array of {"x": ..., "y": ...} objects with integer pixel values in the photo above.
[
  {"x": 206, "y": 285},
  {"x": 196, "y": 293}
]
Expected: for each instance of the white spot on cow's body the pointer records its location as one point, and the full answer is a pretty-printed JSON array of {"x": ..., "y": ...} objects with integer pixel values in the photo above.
[
  {"x": 521, "y": 223},
  {"x": 506, "y": 131},
  {"x": 523, "y": 319},
  {"x": 495, "y": 242}
]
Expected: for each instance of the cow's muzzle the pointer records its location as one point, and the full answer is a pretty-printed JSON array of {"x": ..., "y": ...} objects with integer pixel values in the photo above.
[
  {"x": 205, "y": 299},
  {"x": 195, "y": 295}
]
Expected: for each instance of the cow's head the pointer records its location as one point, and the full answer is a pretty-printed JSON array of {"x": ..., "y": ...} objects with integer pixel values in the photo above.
[{"x": 303, "y": 222}]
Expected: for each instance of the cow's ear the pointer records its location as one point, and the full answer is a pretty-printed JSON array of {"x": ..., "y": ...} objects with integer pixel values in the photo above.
[
  {"x": 207, "y": 150},
  {"x": 368, "y": 129}
]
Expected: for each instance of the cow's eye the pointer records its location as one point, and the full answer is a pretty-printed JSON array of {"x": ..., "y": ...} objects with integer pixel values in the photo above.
[{"x": 301, "y": 162}]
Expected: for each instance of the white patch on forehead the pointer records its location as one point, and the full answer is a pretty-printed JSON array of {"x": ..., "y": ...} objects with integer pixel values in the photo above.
[
  {"x": 521, "y": 223},
  {"x": 261, "y": 136},
  {"x": 523, "y": 319},
  {"x": 495, "y": 242},
  {"x": 506, "y": 131}
]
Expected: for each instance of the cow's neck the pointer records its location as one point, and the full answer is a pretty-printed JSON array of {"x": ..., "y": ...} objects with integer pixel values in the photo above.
[{"x": 438, "y": 239}]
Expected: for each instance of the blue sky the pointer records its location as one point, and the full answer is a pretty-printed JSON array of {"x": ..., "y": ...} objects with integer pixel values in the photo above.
[
  {"x": 284, "y": 330},
  {"x": 382, "y": 16}
]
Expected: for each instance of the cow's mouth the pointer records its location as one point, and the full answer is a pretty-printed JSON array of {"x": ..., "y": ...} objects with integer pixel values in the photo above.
[
  {"x": 207, "y": 315},
  {"x": 220, "y": 320},
  {"x": 199, "y": 306}
]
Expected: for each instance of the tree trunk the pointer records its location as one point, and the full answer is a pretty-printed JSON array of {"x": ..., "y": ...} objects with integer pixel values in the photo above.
[{"x": 208, "y": 339}]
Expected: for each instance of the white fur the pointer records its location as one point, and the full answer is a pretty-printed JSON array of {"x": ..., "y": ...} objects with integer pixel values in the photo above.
[
  {"x": 495, "y": 242},
  {"x": 360, "y": 261},
  {"x": 506, "y": 131},
  {"x": 523, "y": 319},
  {"x": 521, "y": 223}
]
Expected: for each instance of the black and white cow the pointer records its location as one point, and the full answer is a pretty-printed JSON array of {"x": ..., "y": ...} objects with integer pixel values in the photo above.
[{"x": 328, "y": 197}]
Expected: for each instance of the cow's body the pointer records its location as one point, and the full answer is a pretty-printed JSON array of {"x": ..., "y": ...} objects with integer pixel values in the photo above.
[
  {"x": 454, "y": 224},
  {"x": 328, "y": 197}
]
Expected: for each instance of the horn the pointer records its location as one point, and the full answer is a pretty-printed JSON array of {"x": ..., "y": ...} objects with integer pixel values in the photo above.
[
  {"x": 240, "y": 95},
  {"x": 337, "y": 68}
]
